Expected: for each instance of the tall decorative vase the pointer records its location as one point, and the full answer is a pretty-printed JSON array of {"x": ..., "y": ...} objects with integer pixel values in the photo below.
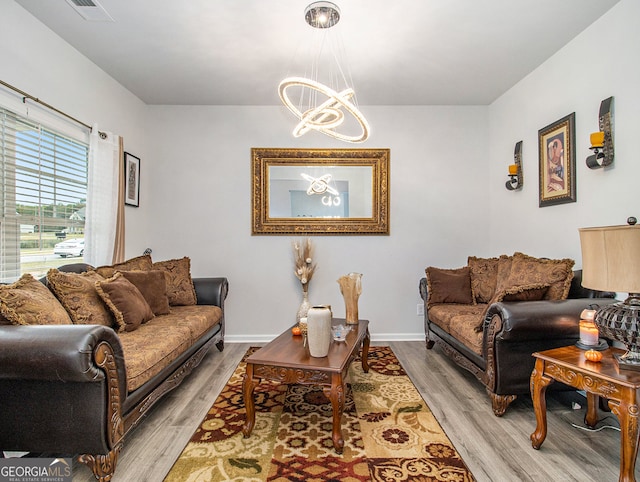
[
  {"x": 319, "y": 330},
  {"x": 351, "y": 287},
  {"x": 304, "y": 306}
]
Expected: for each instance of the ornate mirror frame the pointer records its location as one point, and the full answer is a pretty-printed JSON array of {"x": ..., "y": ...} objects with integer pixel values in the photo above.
[{"x": 264, "y": 158}]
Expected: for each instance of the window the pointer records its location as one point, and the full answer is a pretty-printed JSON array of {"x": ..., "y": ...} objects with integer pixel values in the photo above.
[{"x": 43, "y": 176}]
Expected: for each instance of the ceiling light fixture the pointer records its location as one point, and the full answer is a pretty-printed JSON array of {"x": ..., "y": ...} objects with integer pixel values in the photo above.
[{"x": 326, "y": 92}]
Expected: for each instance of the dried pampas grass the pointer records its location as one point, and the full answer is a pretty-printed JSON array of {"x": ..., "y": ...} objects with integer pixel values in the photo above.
[{"x": 303, "y": 259}]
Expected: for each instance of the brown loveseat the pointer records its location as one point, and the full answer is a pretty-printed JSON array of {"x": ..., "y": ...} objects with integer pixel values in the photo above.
[
  {"x": 491, "y": 315},
  {"x": 79, "y": 370}
]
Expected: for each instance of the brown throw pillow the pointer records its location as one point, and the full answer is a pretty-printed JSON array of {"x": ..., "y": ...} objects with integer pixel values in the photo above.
[
  {"x": 4, "y": 321},
  {"x": 77, "y": 293},
  {"x": 180, "y": 289},
  {"x": 557, "y": 273},
  {"x": 153, "y": 286},
  {"x": 125, "y": 301},
  {"x": 533, "y": 292},
  {"x": 139, "y": 263},
  {"x": 29, "y": 302},
  {"x": 484, "y": 277},
  {"x": 449, "y": 285},
  {"x": 504, "y": 271}
]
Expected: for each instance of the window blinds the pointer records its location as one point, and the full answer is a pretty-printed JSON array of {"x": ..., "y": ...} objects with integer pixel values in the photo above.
[{"x": 43, "y": 176}]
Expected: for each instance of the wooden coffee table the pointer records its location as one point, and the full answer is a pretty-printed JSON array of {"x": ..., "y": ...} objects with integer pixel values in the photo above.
[
  {"x": 620, "y": 387},
  {"x": 287, "y": 360}
]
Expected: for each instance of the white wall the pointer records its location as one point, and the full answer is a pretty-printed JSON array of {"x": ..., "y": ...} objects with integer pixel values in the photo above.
[
  {"x": 201, "y": 187},
  {"x": 448, "y": 169},
  {"x": 40, "y": 63},
  {"x": 601, "y": 62}
]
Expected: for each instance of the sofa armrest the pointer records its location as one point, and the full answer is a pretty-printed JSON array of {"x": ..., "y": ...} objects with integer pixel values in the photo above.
[
  {"x": 536, "y": 320},
  {"x": 422, "y": 287},
  {"x": 55, "y": 352},
  {"x": 62, "y": 388},
  {"x": 211, "y": 291}
]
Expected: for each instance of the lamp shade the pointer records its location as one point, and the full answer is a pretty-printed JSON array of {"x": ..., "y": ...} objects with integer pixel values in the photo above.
[{"x": 611, "y": 258}]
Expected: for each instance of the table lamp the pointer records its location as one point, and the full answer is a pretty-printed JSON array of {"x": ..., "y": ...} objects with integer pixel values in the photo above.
[{"x": 611, "y": 262}]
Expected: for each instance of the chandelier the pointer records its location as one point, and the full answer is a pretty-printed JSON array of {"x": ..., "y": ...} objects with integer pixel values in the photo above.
[{"x": 325, "y": 100}]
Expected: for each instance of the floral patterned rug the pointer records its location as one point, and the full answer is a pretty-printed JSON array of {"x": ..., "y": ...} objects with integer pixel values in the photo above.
[{"x": 390, "y": 434}]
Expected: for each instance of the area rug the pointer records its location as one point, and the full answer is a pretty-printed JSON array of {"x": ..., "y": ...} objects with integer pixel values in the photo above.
[{"x": 390, "y": 434}]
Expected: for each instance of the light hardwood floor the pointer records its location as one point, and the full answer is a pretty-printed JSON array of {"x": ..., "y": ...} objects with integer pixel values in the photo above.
[{"x": 495, "y": 449}]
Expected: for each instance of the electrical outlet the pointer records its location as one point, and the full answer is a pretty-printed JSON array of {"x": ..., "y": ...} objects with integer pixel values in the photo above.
[{"x": 420, "y": 309}]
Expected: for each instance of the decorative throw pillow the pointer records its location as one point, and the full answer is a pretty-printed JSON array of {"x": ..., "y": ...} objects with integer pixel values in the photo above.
[
  {"x": 125, "y": 301},
  {"x": 533, "y": 292},
  {"x": 557, "y": 273},
  {"x": 139, "y": 263},
  {"x": 180, "y": 289},
  {"x": 484, "y": 277},
  {"x": 449, "y": 285},
  {"x": 153, "y": 286},
  {"x": 504, "y": 272},
  {"x": 29, "y": 302},
  {"x": 77, "y": 293}
]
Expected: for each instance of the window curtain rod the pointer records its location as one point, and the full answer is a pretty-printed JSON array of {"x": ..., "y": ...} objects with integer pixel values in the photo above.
[{"x": 26, "y": 96}]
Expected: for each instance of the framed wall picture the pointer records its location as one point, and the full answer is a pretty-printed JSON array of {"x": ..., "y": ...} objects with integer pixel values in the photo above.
[
  {"x": 557, "y": 162},
  {"x": 131, "y": 180}
]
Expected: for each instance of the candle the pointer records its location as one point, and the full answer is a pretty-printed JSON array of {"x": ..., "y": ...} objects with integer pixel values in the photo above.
[
  {"x": 513, "y": 169},
  {"x": 597, "y": 139},
  {"x": 588, "y": 333}
]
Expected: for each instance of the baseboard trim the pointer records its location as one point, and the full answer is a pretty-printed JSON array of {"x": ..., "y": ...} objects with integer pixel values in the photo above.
[{"x": 375, "y": 337}]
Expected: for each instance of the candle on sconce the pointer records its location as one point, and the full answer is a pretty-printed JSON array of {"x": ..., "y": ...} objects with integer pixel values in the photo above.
[
  {"x": 589, "y": 334},
  {"x": 597, "y": 139},
  {"x": 513, "y": 169}
]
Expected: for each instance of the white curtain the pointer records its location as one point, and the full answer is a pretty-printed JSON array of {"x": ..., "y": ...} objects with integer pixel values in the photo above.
[{"x": 102, "y": 198}]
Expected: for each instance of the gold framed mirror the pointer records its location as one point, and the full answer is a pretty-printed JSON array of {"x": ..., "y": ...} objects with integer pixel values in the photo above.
[{"x": 320, "y": 191}]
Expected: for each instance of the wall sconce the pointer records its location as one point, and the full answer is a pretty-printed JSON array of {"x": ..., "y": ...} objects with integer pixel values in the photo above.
[
  {"x": 516, "y": 179},
  {"x": 602, "y": 141}
]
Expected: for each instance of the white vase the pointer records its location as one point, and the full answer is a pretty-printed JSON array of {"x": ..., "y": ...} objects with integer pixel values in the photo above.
[{"x": 319, "y": 331}]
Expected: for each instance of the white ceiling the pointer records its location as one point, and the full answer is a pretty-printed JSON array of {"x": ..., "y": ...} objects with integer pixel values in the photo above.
[{"x": 401, "y": 52}]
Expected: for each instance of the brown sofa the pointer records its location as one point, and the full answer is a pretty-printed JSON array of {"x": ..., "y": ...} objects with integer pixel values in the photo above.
[
  {"x": 491, "y": 315},
  {"x": 77, "y": 388}
]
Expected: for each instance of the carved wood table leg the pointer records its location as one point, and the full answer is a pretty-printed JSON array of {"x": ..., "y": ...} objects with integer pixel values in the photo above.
[
  {"x": 335, "y": 393},
  {"x": 627, "y": 412},
  {"x": 365, "y": 352},
  {"x": 248, "y": 385},
  {"x": 591, "y": 417},
  {"x": 539, "y": 383}
]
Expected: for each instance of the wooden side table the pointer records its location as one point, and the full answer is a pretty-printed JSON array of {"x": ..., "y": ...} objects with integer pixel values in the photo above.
[{"x": 569, "y": 365}]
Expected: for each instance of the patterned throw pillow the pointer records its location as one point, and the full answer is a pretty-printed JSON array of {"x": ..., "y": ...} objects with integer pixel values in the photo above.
[
  {"x": 504, "y": 272},
  {"x": 153, "y": 286},
  {"x": 139, "y": 263},
  {"x": 557, "y": 273},
  {"x": 125, "y": 301},
  {"x": 77, "y": 293},
  {"x": 29, "y": 302},
  {"x": 180, "y": 289},
  {"x": 449, "y": 285},
  {"x": 532, "y": 292},
  {"x": 484, "y": 277}
]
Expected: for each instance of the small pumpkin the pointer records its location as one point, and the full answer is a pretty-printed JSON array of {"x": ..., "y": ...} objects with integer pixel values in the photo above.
[{"x": 593, "y": 355}]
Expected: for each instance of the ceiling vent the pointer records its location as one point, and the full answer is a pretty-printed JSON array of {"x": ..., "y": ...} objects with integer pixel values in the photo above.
[{"x": 91, "y": 10}]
